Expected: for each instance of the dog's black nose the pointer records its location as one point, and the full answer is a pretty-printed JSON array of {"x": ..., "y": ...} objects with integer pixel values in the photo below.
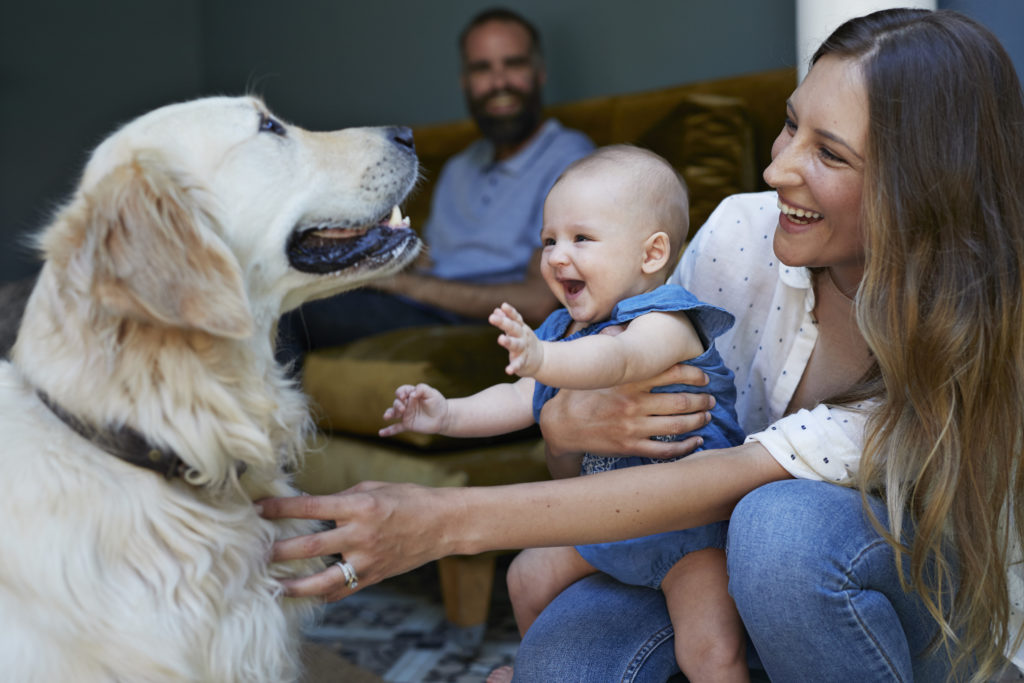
[{"x": 402, "y": 136}]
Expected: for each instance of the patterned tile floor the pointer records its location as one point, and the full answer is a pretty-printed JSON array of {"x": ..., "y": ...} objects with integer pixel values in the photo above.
[{"x": 398, "y": 631}]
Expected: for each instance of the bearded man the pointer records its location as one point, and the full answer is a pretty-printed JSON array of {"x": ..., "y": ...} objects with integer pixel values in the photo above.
[{"x": 483, "y": 233}]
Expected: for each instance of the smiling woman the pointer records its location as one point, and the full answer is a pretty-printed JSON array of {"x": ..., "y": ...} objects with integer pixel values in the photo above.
[{"x": 818, "y": 170}]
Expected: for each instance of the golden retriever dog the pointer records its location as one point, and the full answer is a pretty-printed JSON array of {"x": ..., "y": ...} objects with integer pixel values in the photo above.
[{"x": 142, "y": 412}]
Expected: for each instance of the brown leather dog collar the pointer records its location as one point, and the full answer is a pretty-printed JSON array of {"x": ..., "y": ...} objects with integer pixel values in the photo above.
[{"x": 124, "y": 443}]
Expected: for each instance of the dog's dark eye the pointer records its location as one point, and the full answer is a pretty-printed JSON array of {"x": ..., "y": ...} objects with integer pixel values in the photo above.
[{"x": 270, "y": 125}]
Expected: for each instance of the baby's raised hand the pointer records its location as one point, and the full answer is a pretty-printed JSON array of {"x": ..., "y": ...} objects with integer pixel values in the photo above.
[
  {"x": 420, "y": 408},
  {"x": 525, "y": 351}
]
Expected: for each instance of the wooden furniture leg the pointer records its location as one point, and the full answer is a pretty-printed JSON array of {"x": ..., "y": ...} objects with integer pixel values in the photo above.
[{"x": 466, "y": 583}]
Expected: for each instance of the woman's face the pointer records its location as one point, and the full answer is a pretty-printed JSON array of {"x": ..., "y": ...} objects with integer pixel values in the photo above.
[{"x": 818, "y": 170}]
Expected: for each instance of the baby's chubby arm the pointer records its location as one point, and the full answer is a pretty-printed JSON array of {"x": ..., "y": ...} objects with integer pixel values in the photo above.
[
  {"x": 648, "y": 345},
  {"x": 498, "y": 409}
]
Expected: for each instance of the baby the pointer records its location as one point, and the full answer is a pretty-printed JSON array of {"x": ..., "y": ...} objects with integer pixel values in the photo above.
[{"x": 614, "y": 223}]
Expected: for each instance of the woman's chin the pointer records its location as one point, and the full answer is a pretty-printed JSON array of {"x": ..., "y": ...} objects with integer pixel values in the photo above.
[{"x": 797, "y": 249}]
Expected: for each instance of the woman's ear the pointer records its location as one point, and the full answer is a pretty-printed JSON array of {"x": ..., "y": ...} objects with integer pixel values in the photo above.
[{"x": 657, "y": 253}]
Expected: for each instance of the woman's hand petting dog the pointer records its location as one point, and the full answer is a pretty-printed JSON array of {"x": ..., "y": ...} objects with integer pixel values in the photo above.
[{"x": 381, "y": 530}]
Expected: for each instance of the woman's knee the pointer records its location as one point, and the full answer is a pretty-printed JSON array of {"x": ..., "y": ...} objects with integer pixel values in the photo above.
[
  {"x": 782, "y": 536},
  {"x": 807, "y": 568}
]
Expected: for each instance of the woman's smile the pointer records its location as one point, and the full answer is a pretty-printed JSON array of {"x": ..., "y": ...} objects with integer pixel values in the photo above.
[{"x": 797, "y": 216}]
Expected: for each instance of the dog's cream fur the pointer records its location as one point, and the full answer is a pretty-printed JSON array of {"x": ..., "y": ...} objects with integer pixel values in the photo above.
[{"x": 155, "y": 309}]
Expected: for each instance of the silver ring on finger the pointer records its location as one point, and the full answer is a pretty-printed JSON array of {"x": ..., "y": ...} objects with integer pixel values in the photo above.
[{"x": 351, "y": 580}]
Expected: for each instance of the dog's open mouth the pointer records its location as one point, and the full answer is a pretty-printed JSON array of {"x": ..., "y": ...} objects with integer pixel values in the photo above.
[{"x": 327, "y": 249}]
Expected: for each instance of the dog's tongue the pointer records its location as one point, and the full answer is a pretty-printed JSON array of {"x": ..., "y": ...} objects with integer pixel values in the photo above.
[
  {"x": 395, "y": 221},
  {"x": 335, "y": 233}
]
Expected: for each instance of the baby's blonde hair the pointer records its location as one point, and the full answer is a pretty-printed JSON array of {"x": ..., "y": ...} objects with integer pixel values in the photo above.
[{"x": 655, "y": 184}]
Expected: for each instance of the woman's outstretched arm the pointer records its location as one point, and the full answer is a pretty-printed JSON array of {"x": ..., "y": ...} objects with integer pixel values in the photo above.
[{"x": 387, "y": 529}]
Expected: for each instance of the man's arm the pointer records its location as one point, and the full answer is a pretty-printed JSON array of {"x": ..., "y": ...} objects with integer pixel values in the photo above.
[{"x": 531, "y": 296}]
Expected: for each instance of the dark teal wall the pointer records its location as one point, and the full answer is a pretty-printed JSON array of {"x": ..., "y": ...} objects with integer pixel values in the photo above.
[
  {"x": 1005, "y": 18},
  {"x": 70, "y": 71},
  {"x": 392, "y": 60}
]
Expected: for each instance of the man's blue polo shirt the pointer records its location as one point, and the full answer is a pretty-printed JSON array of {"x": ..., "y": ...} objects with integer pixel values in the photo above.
[{"x": 486, "y": 216}]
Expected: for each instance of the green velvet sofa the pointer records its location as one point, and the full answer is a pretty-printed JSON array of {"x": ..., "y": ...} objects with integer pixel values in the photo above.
[{"x": 717, "y": 133}]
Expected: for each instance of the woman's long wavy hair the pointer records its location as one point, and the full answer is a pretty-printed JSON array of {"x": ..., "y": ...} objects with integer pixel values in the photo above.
[{"x": 940, "y": 306}]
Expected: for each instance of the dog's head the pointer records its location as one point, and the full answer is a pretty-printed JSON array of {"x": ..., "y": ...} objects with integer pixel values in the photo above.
[{"x": 217, "y": 216}]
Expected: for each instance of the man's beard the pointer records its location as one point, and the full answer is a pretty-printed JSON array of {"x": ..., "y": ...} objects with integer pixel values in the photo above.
[{"x": 507, "y": 130}]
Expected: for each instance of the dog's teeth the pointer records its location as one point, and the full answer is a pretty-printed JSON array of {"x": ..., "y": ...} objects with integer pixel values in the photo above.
[{"x": 397, "y": 220}]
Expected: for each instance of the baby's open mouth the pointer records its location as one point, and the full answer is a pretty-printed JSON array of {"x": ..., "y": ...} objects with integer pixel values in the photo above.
[{"x": 573, "y": 287}]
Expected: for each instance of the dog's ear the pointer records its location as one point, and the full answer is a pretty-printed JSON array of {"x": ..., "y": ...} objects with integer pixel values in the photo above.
[{"x": 155, "y": 254}]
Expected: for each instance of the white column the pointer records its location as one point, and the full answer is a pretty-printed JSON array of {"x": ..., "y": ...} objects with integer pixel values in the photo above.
[{"x": 816, "y": 19}]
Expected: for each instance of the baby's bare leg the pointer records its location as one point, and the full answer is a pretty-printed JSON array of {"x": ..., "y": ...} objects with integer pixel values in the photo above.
[
  {"x": 536, "y": 577},
  {"x": 709, "y": 637}
]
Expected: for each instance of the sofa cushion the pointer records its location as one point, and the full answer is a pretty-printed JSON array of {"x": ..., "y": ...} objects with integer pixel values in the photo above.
[
  {"x": 336, "y": 462},
  {"x": 709, "y": 140},
  {"x": 351, "y": 386}
]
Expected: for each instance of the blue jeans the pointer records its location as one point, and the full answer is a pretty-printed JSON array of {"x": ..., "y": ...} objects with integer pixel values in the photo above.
[{"x": 814, "y": 582}]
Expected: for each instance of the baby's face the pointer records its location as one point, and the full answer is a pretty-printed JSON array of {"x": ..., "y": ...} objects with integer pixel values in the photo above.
[{"x": 593, "y": 242}]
